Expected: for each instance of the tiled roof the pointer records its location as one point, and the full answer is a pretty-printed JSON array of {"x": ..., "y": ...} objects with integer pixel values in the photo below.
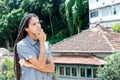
[
  {"x": 84, "y": 60},
  {"x": 96, "y": 39},
  {"x": 113, "y": 38}
]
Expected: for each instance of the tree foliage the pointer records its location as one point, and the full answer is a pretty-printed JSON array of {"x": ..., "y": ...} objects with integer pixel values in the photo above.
[
  {"x": 7, "y": 70},
  {"x": 3, "y": 9},
  {"x": 31, "y": 6},
  {"x": 61, "y": 18},
  {"x": 9, "y": 25},
  {"x": 12, "y": 4},
  {"x": 111, "y": 70},
  {"x": 75, "y": 13},
  {"x": 116, "y": 27}
]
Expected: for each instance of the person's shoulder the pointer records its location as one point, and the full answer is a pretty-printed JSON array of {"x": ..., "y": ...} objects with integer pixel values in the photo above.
[{"x": 22, "y": 42}]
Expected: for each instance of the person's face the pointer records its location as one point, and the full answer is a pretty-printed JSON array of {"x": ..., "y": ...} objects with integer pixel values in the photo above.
[{"x": 34, "y": 25}]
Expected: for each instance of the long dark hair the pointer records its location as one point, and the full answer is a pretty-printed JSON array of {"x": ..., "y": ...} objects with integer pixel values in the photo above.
[{"x": 21, "y": 34}]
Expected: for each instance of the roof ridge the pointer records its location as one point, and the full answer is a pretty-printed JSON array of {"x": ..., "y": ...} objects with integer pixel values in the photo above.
[
  {"x": 63, "y": 40},
  {"x": 99, "y": 27},
  {"x": 70, "y": 37}
]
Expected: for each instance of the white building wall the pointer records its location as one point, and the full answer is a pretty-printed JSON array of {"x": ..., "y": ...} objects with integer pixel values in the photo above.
[{"x": 105, "y": 8}]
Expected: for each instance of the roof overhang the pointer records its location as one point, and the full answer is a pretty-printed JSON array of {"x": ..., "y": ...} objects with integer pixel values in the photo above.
[
  {"x": 79, "y": 51},
  {"x": 83, "y": 60}
]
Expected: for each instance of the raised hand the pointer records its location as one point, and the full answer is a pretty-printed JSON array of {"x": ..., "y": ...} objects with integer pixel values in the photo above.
[{"x": 41, "y": 35}]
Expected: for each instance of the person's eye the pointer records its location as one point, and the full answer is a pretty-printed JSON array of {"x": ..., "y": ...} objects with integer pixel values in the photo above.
[{"x": 34, "y": 23}]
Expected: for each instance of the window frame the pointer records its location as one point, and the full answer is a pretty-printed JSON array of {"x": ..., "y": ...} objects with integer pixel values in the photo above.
[
  {"x": 78, "y": 71},
  {"x": 87, "y": 67},
  {"x": 94, "y": 14},
  {"x": 115, "y": 10},
  {"x": 68, "y": 66}
]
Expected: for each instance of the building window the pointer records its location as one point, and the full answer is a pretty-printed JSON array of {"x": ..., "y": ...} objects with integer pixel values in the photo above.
[
  {"x": 115, "y": 10},
  {"x": 68, "y": 71},
  {"x": 94, "y": 14},
  {"x": 89, "y": 72},
  {"x": 74, "y": 71},
  {"x": 105, "y": 11},
  {"x": 61, "y": 70},
  {"x": 94, "y": 73},
  {"x": 82, "y": 72}
]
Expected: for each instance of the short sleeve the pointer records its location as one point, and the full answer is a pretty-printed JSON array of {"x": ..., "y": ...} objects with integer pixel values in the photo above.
[
  {"x": 48, "y": 52},
  {"x": 25, "y": 51}
]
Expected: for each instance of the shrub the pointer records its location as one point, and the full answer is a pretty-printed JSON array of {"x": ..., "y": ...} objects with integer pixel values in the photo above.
[
  {"x": 7, "y": 70},
  {"x": 116, "y": 27},
  {"x": 111, "y": 70}
]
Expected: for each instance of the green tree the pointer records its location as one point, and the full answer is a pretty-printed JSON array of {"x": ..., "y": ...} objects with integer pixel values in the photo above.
[
  {"x": 116, "y": 27},
  {"x": 54, "y": 22},
  {"x": 54, "y": 14},
  {"x": 111, "y": 70},
  {"x": 12, "y": 4},
  {"x": 68, "y": 5},
  {"x": 31, "y": 6},
  {"x": 3, "y": 9},
  {"x": 46, "y": 7},
  {"x": 9, "y": 26},
  {"x": 79, "y": 9},
  {"x": 8, "y": 70},
  {"x": 76, "y": 10}
]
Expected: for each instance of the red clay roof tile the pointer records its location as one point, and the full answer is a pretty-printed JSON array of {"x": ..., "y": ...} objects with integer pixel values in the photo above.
[
  {"x": 97, "y": 39},
  {"x": 86, "y": 60}
]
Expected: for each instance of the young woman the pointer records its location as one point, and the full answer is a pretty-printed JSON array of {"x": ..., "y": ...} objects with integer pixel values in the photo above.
[{"x": 32, "y": 57}]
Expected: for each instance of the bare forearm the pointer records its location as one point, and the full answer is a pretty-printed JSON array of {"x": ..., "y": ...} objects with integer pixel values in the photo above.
[
  {"x": 45, "y": 69},
  {"x": 42, "y": 54},
  {"x": 41, "y": 68},
  {"x": 49, "y": 67}
]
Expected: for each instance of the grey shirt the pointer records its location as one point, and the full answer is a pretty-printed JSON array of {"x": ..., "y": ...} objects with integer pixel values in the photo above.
[{"x": 28, "y": 48}]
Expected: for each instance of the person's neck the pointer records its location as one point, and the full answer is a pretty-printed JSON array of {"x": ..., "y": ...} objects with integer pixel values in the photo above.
[{"x": 33, "y": 37}]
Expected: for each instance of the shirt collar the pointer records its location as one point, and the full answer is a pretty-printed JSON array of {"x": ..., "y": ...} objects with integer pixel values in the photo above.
[{"x": 31, "y": 41}]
